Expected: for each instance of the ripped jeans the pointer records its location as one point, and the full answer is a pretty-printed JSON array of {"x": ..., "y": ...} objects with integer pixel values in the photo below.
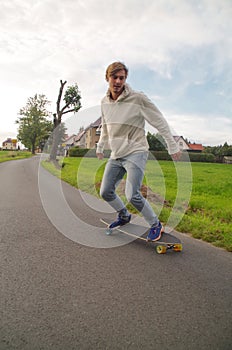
[{"x": 134, "y": 165}]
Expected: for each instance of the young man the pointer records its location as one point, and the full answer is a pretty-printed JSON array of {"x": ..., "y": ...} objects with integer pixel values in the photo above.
[{"x": 124, "y": 113}]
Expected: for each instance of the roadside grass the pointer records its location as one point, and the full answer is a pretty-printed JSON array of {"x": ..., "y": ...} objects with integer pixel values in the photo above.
[
  {"x": 204, "y": 206},
  {"x": 209, "y": 211},
  {"x": 12, "y": 155}
]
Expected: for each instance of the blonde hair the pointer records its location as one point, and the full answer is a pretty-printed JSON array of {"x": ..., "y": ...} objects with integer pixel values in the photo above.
[{"x": 113, "y": 68}]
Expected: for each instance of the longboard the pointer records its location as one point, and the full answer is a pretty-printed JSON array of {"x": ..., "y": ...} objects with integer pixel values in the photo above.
[{"x": 166, "y": 242}]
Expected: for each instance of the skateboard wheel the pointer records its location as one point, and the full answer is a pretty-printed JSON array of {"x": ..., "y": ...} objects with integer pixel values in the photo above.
[
  {"x": 160, "y": 249},
  {"x": 178, "y": 247},
  {"x": 108, "y": 231}
]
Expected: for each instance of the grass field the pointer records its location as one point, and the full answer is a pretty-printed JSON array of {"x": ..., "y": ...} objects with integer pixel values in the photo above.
[
  {"x": 11, "y": 155},
  {"x": 197, "y": 196}
]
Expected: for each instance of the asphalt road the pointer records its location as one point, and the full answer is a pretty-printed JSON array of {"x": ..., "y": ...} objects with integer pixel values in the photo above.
[{"x": 57, "y": 293}]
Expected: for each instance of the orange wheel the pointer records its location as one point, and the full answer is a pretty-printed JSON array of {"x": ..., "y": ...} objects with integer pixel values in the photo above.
[
  {"x": 178, "y": 247},
  {"x": 160, "y": 249}
]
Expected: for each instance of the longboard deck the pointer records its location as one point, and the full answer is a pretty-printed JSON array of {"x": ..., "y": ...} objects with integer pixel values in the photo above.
[{"x": 167, "y": 240}]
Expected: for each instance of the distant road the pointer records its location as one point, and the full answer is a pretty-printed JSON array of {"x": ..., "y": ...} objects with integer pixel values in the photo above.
[{"x": 57, "y": 294}]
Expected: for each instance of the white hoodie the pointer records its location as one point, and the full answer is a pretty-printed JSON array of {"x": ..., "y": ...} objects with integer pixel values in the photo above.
[{"x": 123, "y": 124}]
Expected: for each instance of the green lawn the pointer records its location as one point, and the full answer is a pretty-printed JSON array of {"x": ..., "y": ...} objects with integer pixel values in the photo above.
[
  {"x": 11, "y": 155},
  {"x": 197, "y": 195}
]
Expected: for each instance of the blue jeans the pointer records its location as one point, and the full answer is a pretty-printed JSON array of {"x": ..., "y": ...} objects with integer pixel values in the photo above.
[{"x": 134, "y": 165}]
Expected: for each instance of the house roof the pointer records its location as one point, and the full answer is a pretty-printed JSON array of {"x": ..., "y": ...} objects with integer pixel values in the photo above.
[
  {"x": 79, "y": 136},
  {"x": 69, "y": 137},
  {"x": 95, "y": 124},
  {"x": 196, "y": 146},
  {"x": 177, "y": 138},
  {"x": 9, "y": 140},
  {"x": 69, "y": 140}
]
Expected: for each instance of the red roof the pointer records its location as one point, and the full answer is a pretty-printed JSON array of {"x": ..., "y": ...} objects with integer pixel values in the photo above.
[{"x": 196, "y": 146}]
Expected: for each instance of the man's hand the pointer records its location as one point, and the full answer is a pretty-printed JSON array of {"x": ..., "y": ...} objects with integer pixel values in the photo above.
[
  {"x": 176, "y": 156},
  {"x": 100, "y": 155}
]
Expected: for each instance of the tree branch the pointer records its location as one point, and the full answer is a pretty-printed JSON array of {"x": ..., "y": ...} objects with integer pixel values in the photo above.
[
  {"x": 62, "y": 110},
  {"x": 62, "y": 84},
  {"x": 70, "y": 110}
]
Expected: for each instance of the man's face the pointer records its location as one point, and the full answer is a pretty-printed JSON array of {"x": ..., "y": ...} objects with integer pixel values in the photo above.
[{"x": 117, "y": 82}]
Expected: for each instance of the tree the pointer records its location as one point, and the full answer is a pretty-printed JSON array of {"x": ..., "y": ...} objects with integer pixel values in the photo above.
[
  {"x": 219, "y": 151},
  {"x": 156, "y": 142},
  {"x": 72, "y": 104},
  {"x": 33, "y": 125}
]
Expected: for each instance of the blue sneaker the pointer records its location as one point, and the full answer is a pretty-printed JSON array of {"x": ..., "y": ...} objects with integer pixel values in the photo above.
[
  {"x": 121, "y": 220},
  {"x": 155, "y": 233}
]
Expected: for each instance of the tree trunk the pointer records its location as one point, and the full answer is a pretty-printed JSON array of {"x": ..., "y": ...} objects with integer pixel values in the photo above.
[
  {"x": 56, "y": 122},
  {"x": 33, "y": 148},
  {"x": 56, "y": 138}
]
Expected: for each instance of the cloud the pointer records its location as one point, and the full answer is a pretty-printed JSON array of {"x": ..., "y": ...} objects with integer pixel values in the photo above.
[
  {"x": 213, "y": 130},
  {"x": 149, "y": 33},
  {"x": 178, "y": 44}
]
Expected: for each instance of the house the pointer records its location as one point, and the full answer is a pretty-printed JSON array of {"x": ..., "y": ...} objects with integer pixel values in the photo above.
[
  {"x": 88, "y": 138},
  {"x": 188, "y": 146},
  {"x": 68, "y": 143},
  {"x": 183, "y": 145},
  {"x": 79, "y": 140},
  {"x": 9, "y": 144},
  {"x": 227, "y": 159},
  {"x": 92, "y": 134}
]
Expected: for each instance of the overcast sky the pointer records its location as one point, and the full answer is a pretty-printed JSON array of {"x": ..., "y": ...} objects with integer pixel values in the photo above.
[{"x": 179, "y": 53}]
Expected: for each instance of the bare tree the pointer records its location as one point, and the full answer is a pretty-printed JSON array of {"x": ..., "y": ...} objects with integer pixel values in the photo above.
[{"x": 72, "y": 104}]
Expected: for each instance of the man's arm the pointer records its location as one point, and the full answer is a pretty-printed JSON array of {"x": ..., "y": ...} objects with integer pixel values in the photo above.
[{"x": 155, "y": 118}]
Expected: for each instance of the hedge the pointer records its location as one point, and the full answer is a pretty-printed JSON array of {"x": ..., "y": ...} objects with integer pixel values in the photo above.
[
  {"x": 186, "y": 156},
  {"x": 202, "y": 157},
  {"x": 85, "y": 152},
  {"x": 159, "y": 155}
]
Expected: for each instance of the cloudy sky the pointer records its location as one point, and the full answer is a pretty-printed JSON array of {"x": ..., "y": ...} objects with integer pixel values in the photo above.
[{"x": 179, "y": 53}]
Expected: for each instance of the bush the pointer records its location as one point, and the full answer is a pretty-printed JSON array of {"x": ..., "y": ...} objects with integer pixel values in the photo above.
[
  {"x": 159, "y": 155},
  {"x": 77, "y": 152},
  {"x": 186, "y": 156},
  {"x": 85, "y": 152},
  {"x": 202, "y": 157}
]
